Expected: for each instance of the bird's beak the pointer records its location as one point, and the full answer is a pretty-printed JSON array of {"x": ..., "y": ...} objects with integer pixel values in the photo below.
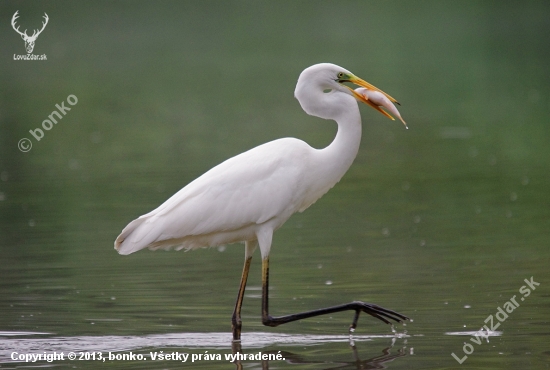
[{"x": 365, "y": 99}]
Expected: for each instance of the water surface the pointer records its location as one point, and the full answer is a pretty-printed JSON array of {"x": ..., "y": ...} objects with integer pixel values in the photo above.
[{"x": 442, "y": 222}]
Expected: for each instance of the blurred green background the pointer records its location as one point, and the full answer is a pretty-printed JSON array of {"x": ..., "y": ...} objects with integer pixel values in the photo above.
[{"x": 441, "y": 222}]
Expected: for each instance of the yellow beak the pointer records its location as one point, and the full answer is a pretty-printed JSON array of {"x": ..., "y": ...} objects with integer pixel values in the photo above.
[{"x": 358, "y": 81}]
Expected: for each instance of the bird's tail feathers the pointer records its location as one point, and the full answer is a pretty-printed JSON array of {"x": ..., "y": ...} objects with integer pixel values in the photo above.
[{"x": 136, "y": 236}]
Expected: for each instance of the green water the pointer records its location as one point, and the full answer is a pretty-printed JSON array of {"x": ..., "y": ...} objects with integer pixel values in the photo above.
[{"x": 441, "y": 222}]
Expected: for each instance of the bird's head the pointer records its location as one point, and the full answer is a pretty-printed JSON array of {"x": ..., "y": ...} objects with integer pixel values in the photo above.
[{"x": 329, "y": 78}]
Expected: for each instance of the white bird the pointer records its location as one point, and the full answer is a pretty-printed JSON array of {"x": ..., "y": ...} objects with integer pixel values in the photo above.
[{"x": 248, "y": 197}]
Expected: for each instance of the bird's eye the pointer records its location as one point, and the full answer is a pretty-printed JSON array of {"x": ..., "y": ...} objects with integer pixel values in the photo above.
[{"x": 340, "y": 74}]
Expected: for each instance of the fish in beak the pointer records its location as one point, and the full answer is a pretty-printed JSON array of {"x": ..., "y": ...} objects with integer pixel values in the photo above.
[{"x": 373, "y": 96}]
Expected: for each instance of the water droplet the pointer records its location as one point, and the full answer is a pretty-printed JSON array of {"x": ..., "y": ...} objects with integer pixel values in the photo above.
[
  {"x": 417, "y": 219},
  {"x": 513, "y": 196},
  {"x": 328, "y": 282},
  {"x": 222, "y": 248},
  {"x": 4, "y": 176},
  {"x": 113, "y": 298},
  {"x": 509, "y": 214},
  {"x": 2, "y": 196},
  {"x": 525, "y": 180},
  {"x": 467, "y": 306},
  {"x": 73, "y": 164},
  {"x": 393, "y": 329},
  {"x": 32, "y": 223},
  {"x": 422, "y": 243},
  {"x": 386, "y": 231},
  {"x": 319, "y": 266},
  {"x": 405, "y": 186}
]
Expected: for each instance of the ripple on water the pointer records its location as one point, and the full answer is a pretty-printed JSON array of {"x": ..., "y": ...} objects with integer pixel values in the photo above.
[{"x": 180, "y": 340}]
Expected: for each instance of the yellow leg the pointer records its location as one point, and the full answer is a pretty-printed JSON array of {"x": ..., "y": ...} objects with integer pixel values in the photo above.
[{"x": 236, "y": 322}]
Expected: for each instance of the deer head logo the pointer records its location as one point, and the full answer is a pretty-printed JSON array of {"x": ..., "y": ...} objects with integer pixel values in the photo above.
[{"x": 29, "y": 40}]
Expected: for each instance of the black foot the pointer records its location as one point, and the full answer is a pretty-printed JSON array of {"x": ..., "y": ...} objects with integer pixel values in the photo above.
[
  {"x": 378, "y": 312},
  {"x": 381, "y": 313}
]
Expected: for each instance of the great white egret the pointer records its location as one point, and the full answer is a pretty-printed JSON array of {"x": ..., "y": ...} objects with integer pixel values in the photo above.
[{"x": 248, "y": 197}]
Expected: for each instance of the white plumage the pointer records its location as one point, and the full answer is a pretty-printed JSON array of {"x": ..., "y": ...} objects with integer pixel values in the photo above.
[{"x": 249, "y": 196}]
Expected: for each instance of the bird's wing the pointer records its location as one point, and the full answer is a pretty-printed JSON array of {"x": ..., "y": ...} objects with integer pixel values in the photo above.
[{"x": 250, "y": 188}]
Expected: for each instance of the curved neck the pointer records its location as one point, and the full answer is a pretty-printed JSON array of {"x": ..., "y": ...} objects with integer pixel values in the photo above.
[{"x": 335, "y": 159}]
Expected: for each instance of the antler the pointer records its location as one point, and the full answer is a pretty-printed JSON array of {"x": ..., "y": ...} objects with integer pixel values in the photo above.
[
  {"x": 35, "y": 33},
  {"x": 43, "y": 26},
  {"x": 13, "y": 19}
]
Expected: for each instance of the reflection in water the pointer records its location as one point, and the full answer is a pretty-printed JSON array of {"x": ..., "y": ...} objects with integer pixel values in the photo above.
[
  {"x": 376, "y": 362},
  {"x": 188, "y": 342},
  {"x": 441, "y": 221}
]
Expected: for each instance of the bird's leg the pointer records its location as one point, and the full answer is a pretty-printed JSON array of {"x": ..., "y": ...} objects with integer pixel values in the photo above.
[
  {"x": 354, "y": 322},
  {"x": 236, "y": 322},
  {"x": 237, "y": 348},
  {"x": 376, "y": 311}
]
